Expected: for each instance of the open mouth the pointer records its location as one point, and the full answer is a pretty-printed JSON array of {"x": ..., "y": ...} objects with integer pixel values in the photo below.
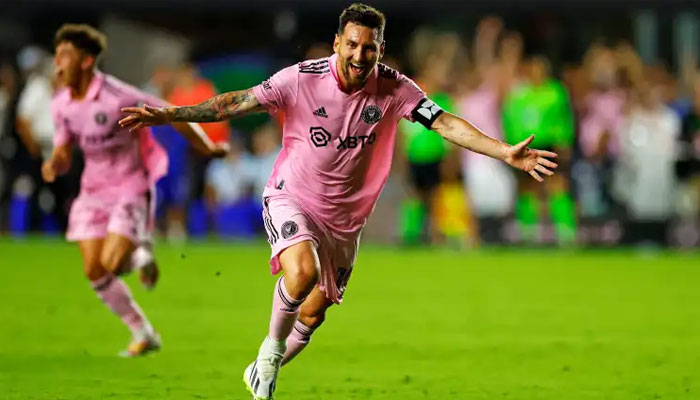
[{"x": 357, "y": 69}]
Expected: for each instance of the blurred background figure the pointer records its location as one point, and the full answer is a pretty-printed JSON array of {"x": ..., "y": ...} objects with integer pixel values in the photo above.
[
  {"x": 494, "y": 69},
  {"x": 646, "y": 169},
  {"x": 433, "y": 57},
  {"x": 190, "y": 88},
  {"x": 49, "y": 203},
  {"x": 9, "y": 89},
  {"x": 540, "y": 105},
  {"x": 688, "y": 172},
  {"x": 266, "y": 145},
  {"x": 234, "y": 185},
  {"x": 229, "y": 185}
]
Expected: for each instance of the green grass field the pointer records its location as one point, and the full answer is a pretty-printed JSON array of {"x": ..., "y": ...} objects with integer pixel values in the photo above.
[{"x": 416, "y": 324}]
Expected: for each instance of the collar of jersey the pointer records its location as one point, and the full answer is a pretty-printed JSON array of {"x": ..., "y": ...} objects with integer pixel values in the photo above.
[
  {"x": 370, "y": 86},
  {"x": 95, "y": 85}
]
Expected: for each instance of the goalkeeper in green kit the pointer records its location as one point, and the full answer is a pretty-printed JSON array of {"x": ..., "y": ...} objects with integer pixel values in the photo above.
[{"x": 540, "y": 106}]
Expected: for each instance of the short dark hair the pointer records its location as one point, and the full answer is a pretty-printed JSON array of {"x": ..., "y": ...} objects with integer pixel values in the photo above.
[
  {"x": 84, "y": 37},
  {"x": 364, "y": 15}
]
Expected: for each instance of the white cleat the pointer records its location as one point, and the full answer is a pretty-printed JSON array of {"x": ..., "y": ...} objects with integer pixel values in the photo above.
[{"x": 260, "y": 377}]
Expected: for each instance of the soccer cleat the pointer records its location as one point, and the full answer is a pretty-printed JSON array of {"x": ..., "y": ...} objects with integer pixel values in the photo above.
[
  {"x": 148, "y": 275},
  {"x": 142, "y": 346},
  {"x": 260, "y": 377}
]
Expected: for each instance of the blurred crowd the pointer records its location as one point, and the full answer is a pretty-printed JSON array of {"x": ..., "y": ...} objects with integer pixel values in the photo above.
[{"x": 627, "y": 134}]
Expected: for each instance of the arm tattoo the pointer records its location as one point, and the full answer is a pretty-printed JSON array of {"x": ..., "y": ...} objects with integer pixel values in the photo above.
[{"x": 218, "y": 108}]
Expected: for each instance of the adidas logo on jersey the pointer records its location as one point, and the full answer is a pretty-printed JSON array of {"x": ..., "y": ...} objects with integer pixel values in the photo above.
[{"x": 321, "y": 112}]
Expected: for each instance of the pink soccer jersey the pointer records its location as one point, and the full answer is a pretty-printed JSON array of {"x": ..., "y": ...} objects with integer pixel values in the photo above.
[
  {"x": 117, "y": 162},
  {"x": 337, "y": 147}
]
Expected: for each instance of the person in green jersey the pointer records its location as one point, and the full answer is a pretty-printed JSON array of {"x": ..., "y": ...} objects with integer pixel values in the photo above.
[
  {"x": 423, "y": 150},
  {"x": 540, "y": 106}
]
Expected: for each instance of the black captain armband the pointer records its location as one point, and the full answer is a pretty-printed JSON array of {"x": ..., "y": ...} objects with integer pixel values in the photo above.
[{"x": 426, "y": 112}]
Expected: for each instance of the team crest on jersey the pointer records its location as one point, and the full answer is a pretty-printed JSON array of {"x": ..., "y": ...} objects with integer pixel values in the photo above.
[
  {"x": 371, "y": 114},
  {"x": 289, "y": 229},
  {"x": 101, "y": 118},
  {"x": 319, "y": 136}
]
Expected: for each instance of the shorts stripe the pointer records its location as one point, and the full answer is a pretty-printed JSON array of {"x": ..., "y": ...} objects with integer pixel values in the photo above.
[
  {"x": 270, "y": 237},
  {"x": 272, "y": 232}
]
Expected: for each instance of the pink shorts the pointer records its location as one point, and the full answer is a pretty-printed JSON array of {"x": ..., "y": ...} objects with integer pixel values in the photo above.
[
  {"x": 93, "y": 216},
  {"x": 287, "y": 224}
]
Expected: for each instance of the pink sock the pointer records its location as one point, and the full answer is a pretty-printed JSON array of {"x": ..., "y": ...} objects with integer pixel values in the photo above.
[
  {"x": 297, "y": 341},
  {"x": 285, "y": 311},
  {"x": 116, "y": 295}
]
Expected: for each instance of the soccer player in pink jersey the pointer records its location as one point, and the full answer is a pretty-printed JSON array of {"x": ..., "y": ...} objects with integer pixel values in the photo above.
[
  {"x": 111, "y": 219},
  {"x": 340, "y": 123}
]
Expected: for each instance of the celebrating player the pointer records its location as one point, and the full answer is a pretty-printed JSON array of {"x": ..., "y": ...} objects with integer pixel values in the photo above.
[
  {"x": 340, "y": 123},
  {"x": 111, "y": 219}
]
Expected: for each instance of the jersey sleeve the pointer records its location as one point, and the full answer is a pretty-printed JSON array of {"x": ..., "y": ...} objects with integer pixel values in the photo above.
[
  {"x": 414, "y": 105},
  {"x": 61, "y": 135},
  {"x": 280, "y": 91}
]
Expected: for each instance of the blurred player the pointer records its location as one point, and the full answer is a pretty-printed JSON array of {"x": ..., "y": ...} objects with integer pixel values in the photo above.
[
  {"x": 111, "y": 219},
  {"x": 341, "y": 114}
]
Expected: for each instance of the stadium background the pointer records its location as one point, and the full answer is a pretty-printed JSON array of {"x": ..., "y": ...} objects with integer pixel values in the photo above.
[{"x": 492, "y": 304}]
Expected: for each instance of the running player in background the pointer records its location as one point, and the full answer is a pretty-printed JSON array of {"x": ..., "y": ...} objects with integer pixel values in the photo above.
[
  {"x": 111, "y": 219},
  {"x": 341, "y": 114}
]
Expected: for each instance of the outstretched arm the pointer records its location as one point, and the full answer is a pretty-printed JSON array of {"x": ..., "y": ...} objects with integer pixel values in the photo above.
[
  {"x": 218, "y": 108},
  {"x": 464, "y": 134}
]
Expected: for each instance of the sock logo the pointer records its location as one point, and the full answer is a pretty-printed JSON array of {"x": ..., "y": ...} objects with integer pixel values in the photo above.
[{"x": 289, "y": 229}]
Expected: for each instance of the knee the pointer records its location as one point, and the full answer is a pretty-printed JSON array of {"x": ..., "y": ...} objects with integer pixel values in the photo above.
[
  {"x": 312, "y": 319},
  {"x": 303, "y": 271},
  {"x": 93, "y": 270},
  {"x": 111, "y": 261}
]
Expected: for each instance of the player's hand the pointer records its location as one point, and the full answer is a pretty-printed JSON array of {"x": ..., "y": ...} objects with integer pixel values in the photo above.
[
  {"x": 219, "y": 150},
  {"x": 140, "y": 117},
  {"x": 48, "y": 172},
  {"x": 529, "y": 160}
]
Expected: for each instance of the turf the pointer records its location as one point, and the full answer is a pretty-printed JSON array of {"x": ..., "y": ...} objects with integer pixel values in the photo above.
[{"x": 416, "y": 324}]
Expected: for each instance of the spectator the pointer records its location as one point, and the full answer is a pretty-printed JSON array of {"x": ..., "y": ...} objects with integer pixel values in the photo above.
[
  {"x": 266, "y": 148},
  {"x": 489, "y": 183},
  {"x": 9, "y": 87},
  {"x": 34, "y": 123},
  {"x": 601, "y": 118},
  {"x": 646, "y": 180},
  {"x": 424, "y": 149},
  {"x": 229, "y": 190},
  {"x": 190, "y": 89},
  {"x": 540, "y": 106}
]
